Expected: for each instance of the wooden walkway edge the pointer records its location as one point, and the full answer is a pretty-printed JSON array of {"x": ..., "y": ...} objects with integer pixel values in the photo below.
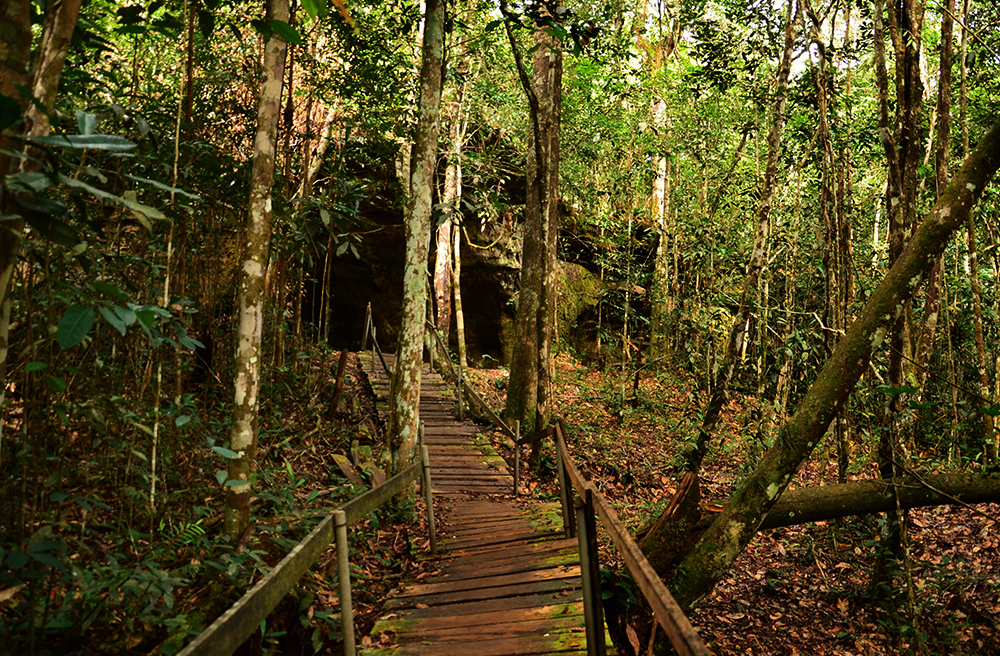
[{"x": 506, "y": 581}]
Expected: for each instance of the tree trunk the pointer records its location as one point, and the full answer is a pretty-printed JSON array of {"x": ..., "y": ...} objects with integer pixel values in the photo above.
[
  {"x": 716, "y": 549},
  {"x": 932, "y": 304},
  {"x": 869, "y": 497},
  {"x": 529, "y": 361},
  {"x": 252, "y": 288},
  {"x": 660, "y": 288},
  {"x": 737, "y": 333},
  {"x": 15, "y": 52},
  {"x": 548, "y": 86},
  {"x": 403, "y": 421},
  {"x": 456, "y": 286}
]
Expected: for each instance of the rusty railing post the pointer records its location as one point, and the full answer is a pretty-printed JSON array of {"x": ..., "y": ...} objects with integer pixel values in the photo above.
[
  {"x": 461, "y": 410},
  {"x": 425, "y": 461},
  {"x": 564, "y": 494},
  {"x": 517, "y": 455},
  {"x": 593, "y": 611},
  {"x": 344, "y": 574}
]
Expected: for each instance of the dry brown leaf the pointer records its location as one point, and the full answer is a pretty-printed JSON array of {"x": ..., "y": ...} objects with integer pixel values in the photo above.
[{"x": 632, "y": 638}]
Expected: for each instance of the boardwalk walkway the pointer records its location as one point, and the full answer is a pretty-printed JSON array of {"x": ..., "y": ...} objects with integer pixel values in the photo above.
[{"x": 506, "y": 581}]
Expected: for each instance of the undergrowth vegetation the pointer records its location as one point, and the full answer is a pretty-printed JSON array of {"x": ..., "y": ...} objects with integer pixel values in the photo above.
[{"x": 98, "y": 569}]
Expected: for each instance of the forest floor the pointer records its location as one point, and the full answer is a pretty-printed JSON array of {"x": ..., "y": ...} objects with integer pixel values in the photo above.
[
  {"x": 807, "y": 589},
  {"x": 144, "y": 583}
]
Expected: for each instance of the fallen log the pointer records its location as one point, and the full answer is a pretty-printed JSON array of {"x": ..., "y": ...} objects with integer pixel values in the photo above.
[{"x": 873, "y": 496}]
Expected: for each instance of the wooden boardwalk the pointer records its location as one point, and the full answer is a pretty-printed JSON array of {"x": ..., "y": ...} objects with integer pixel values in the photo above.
[{"x": 505, "y": 581}]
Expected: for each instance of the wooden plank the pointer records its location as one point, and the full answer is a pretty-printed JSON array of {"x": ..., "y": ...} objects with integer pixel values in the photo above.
[
  {"x": 443, "y": 598},
  {"x": 396, "y": 622},
  {"x": 459, "y": 610},
  {"x": 485, "y": 582},
  {"x": 516, "y": 646}
]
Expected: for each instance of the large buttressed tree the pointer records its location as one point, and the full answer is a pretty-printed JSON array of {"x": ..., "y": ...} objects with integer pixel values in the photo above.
[{"x": 252, "y": 286}]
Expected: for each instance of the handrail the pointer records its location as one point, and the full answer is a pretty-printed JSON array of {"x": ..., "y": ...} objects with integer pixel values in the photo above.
[
  {"x": 668, "y": 613},
  {"x": 370, "y": 330},
  {"x": 232, "y": 628}
]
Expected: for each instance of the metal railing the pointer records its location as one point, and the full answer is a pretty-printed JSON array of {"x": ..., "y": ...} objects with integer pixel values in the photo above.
[
  {"x": 581, "y": 503},
  {"x": 238, "y": 623},
  {"x": 232, "y": 628}
]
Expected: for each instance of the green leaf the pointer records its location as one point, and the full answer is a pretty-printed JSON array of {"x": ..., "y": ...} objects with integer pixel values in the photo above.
[
  {"x": 35, "y": 366},
  {"x": 494, "y": 24},
  {"x": 75, "y": 325},
  {"x": 286, "y": 32},
  {"x": 86, "y": 122},
  {"x": 109, "y": 289},
  {"x": 228, "y": 454},
  {"x": 180, "y": 421},
  {"x": 160, "y": 185},
  {"x": 146, "y": 317},
  {"x": 221, "y": 475},
  {"x": 57, "y": 385},
  {"x": 206, "y": 23},
  {"x": 50, "y": 560},
  {"x": 112, "y": 318},
  {"x": 109, "y": 142},
  {"x": 27, "y": 183},
  {"x": 191, "y": 343},
  {"x": 10, "y": 111},
  {"x": 262, "y": 28},
  {"x": 236, "y": 483},
  {"x": 90, "y": 189},
  {"x": 127, "y": 316},
  {"x": 315, "y": 8},
  {"x": 17, "y": 559}
]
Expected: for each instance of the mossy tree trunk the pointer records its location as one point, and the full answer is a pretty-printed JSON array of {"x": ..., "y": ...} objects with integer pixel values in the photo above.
[
  {"x": 252, "y": 291},
  {"x": 403, "y": 421},
  {"x": 731, "y": 531}
]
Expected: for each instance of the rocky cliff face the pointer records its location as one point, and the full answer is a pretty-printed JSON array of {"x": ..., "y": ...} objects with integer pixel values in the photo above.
[{"x": 490, "y": 274}]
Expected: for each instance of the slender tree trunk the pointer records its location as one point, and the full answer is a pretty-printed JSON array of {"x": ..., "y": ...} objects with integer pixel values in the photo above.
[
  {"x": 530, "y": 354},
  {"x": 406, "y": 374},
  {"x": 252, "y": 286},
  {"x": 737, "y": 333},
  {"x": 932, "y": 304},
  {"x": 456, "y": 286},
  {"x": 660, "y": 288},
  {"x": 548, "y": 85},
  {"x": 717, "y": 548},
  {"x": 986, "y": 420},
  {"x": 315, "y": 162}
]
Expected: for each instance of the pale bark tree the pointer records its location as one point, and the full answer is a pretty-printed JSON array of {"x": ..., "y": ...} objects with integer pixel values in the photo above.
[
  {"x": 252, "y": 285},
  {"x": 451, "y": 201},
  {"x": 660, "y": 298},
  {"x": 456, "y": 286},
  {"x": 717, "y": 548},
  {"x": 403, "y": 420}
]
